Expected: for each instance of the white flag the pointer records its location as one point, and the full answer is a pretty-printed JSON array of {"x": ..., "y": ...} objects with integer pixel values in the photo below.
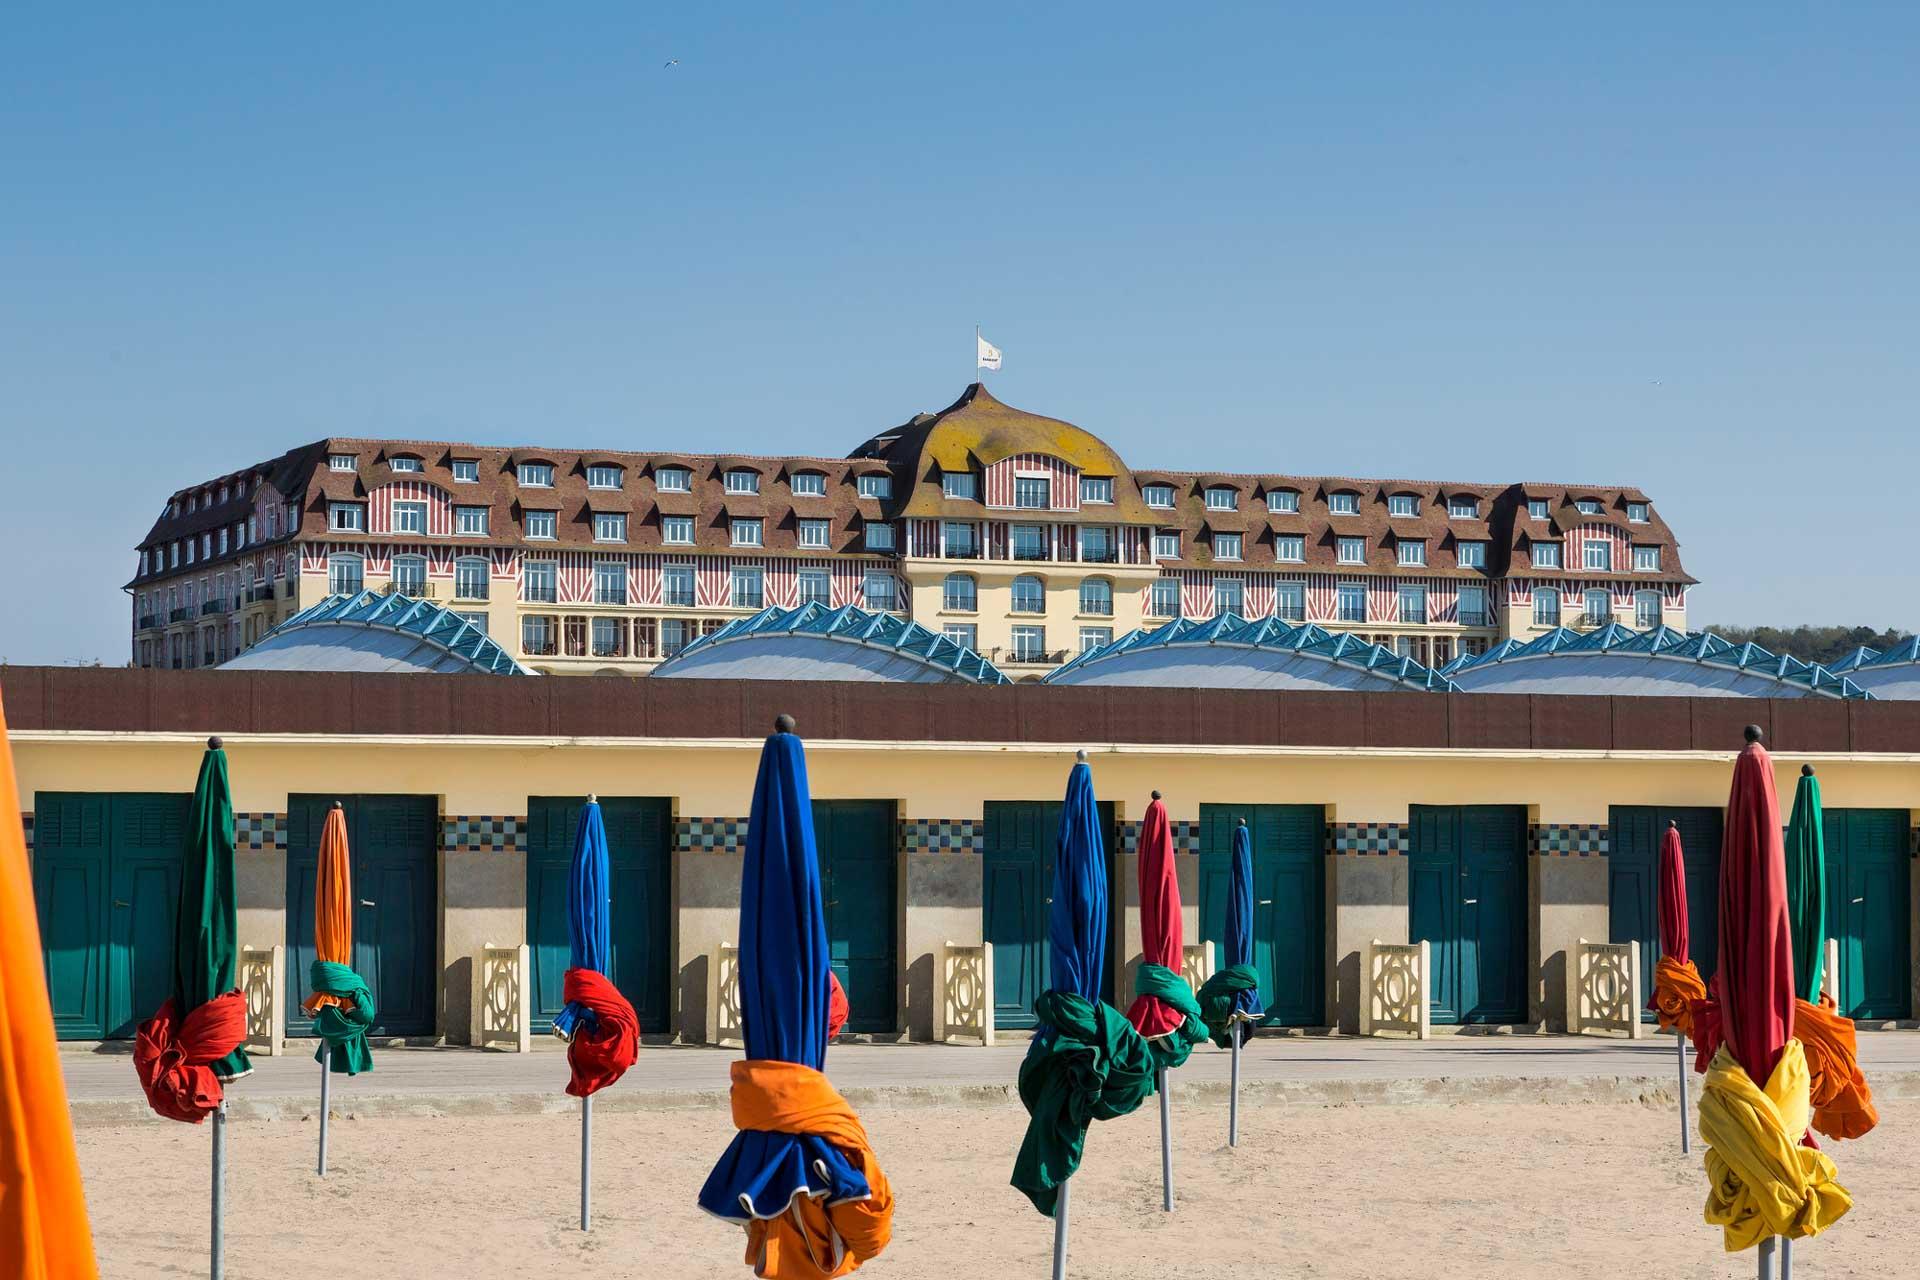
[{"x": 989, "y": 354}]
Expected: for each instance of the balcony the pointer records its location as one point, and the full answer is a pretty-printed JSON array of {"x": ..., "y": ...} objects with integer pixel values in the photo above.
[
  {"x": 1476, "y": 619},
  {"x": 1028, "y": 657},
  {"x": 422, "y": 590},
  {"x": 179, "y": 615},
  {"x": 1031, "y": 553},
  {"x": 261, "y": 591},
  {"x": 148, "y": 621},
  {"x": 213, "y": 606},
  {"x": 961, "y": 553}
]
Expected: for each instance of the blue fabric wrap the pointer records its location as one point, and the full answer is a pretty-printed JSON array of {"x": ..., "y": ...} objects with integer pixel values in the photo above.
[
  {"x": 783, "y": 993},
  {"x": 1237, "y": 946},
  {"x": 589, "y": 929}
]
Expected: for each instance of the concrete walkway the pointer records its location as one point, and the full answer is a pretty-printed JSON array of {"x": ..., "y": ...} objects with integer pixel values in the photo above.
[{"x": 1336, "y": 1070}]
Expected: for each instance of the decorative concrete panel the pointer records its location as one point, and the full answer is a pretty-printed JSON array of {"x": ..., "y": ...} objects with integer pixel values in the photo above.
[
  {"x": 483, "y": 833},
  {"x": 711, "y": 835},
  {"x": 1570, "y": 840},
  {"x": 1186, "y": 837},
  {"x": 942, "y": 835},
  {"x": 260, "y": 832},
  {"x": 1386, "y": 839}
]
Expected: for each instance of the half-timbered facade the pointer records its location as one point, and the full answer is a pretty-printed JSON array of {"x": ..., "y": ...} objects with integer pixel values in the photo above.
[{"x": 1025, "y": 538}]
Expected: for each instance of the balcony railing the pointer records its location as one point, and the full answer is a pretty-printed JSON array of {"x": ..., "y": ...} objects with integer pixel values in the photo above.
[
  {"x": 259, "y": 592},
  {"x": 179, "y": 615},
  {"x": 422, "y": 590},
  {"x": 1028, "y": 657},
  {"x": 1032, "y": 553},
  {"x": 148, "y": 621},
  {"x": 1475, "y": 619},
  {"x": 1100, "y": 557},
  {"x": 213, "y": 606}
]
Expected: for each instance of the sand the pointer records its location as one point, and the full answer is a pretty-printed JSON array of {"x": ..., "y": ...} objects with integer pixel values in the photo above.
[{"x": 1363, "y": 1191}]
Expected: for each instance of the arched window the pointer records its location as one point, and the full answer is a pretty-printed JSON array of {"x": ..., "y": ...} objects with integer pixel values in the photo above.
[
  {"x": 470, "y": 578},
  {"x": 1029, "y": 594},
  {"x": 1096, "y": 597},
  {"x": 345, "y": 574},
  {"x": 1546, "y": 606},
  {"x": 961, "y": 594},
  {"x": 1646, "y": 610},
  {"x": 1599, "y": 610}
]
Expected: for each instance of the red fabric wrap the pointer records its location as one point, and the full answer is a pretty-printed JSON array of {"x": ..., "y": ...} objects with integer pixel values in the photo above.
[
  {"x": 1754, "y": 982},
  {"x": 1161, "y": 934},
  {"x": 172, "y": 1055},
  {"x": 599, "y": 1054},
  {"x": 837, "y": 1008}
]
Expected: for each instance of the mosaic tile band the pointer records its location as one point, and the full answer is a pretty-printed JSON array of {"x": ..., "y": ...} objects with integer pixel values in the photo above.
[
  {"x": 260, "y": 832},
  {"x": 1186, "y": 836},
  {"x": 942, "y": 835},
  {"x": 1570, "y": 840},
  {"x": 483, "y": 833},
  {"x": 710, "y": 835},
  {"x": 1385, "y": 839}
]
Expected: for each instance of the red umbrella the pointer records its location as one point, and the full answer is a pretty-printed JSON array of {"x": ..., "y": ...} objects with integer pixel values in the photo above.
[
  {"x": 1754, "y": 982},
  {"x": 1161, "y": 936},
  {"x": 1677, "y": 988}
]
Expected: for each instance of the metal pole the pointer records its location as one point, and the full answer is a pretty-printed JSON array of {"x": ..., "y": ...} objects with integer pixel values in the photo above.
[
  {"x": 1060, "y": 1232},
  {"x": 1686, "y": 1136},
  {"x": 326, "y": 1091},
  {"x": 1765, "y": 1258},
  {"x": 1233, "y": 1095},
  {"x": 586, "y": 1163},
  {"x": 217, "y": 1266},
  {"x": 1786, "y": 1258},
  {"x": 1166, "y": 1145}
]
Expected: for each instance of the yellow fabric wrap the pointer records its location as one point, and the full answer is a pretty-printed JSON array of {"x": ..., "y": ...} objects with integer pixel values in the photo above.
[{"x": 1762, "y": 1182}]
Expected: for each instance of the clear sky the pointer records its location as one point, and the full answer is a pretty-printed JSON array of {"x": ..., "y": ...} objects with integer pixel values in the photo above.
[{"x": 1672, "y": 246}]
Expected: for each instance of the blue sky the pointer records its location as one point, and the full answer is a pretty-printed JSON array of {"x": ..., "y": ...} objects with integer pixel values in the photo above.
[{"x": 1663, "y": 245}]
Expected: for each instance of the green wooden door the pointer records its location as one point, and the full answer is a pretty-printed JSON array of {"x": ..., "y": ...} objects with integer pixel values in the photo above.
[
  {"x": 394, "y": 845},
  {"x": 106, "y": 884},
  {"x": 639, "y": 830},
  {"x": 1868, "y": 883},
  {"x": 1467, "y": 897},
  {"x": 1016, "y": 887},
  {"x": 1634, "y": 833},
  {"x": 1289, "y": 901},
  {"x": 858, "y": 887}
]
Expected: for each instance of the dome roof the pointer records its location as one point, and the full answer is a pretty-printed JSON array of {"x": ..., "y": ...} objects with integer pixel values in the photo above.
[
  {"x": 1229, "y": 652},
  {"x": 371, "y": 631},
  {"x": 1657, "y": 663},
  {"x": 1894, "y": 673},
  {"x": 814, "y": 642}
]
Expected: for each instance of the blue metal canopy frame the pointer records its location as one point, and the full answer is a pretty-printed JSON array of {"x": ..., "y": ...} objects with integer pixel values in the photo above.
[
  {"x": 1230, "y": 629},
  {"x": 852, "y": 626},
  {"x": 1906, "y": 651},
  {"x": 1703, "y": 647},
  {"x": 421, "y": 619}
]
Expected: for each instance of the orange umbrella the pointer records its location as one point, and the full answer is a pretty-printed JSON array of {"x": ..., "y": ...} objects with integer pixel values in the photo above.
[
  {"x": 43, "y": 1216},
  {"x": 332, "y": 905}
]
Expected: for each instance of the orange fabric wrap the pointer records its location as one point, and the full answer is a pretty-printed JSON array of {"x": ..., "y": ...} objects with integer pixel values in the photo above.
[
  {"x": 332, "y": 905},
  {"x": 43, "y": 1216},
  {"x": 785, "y": 1097},
  {"x": 1676, "y": 989},
  {"x": 1842, "y": 1102}
]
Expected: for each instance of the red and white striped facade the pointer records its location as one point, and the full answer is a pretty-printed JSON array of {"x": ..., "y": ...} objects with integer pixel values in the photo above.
[
  {"x": 439, "y": 505},
  {"x": 1260, "y": 591},
  {"x": 1063, "y": 481}
]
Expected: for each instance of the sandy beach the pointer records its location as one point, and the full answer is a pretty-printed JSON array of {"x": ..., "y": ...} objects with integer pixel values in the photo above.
[{"x": 1503, "y": 1190}]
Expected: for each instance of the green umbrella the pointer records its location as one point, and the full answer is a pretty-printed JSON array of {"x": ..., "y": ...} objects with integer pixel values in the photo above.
[
  {"x": 1807, "y": 887},
  {"x": 205, "y": 945}
]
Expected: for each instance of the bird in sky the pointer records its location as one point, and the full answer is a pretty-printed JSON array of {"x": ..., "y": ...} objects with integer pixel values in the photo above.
[{"x": 671, "y": 62}]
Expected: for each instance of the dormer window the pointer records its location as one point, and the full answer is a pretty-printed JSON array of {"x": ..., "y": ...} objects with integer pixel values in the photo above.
[
  {"x": 673, "y": 480},
  {"x": 876, "y": 486},
  {"x": 1413, "y": 552},
  {"x": 466, "y": 471},
  {"x": 536, "y": 475},
  {"x": 345, "y": 517},
  {"x": 741, "y": 480},
  {"x": 404, "y": 465},
  {"x": 808, "y": 484},
  {"x": 1221, "y": 498},
  {"x": 605, "y": 475},
  {"x": 1588, "y": 507},
  {"x": 1226, "y": 546},
  {"x": 1282, "y": 500},
  {"x": 1538, "y": 508},
  {"x": 1459, "y": 508},
  {"x": 1158, "y": 495},
  {"x": 1403, "y": 504},
  {"x": 342, "y": 462},
  {"x": 1343, "y": 504},
  {"x": 961, "y": 486},
  {"x": 1032, "y": 493},
  {"x": 223, "y": 495},
  {"x": 1096, "y": 489},
  {"x": 1546, "y": 555},
  {"x": 1637, "y": 512},
  {"x": 879, "y": 536}
]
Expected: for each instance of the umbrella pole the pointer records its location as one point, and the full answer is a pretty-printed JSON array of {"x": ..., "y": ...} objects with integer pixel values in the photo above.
[
  {"x": 1060, "y": 1232},
  {"x": 326, "y": 1104},
  {"x": 1166, "y": 1145},
  {"x": 1233, "y": 1095},
  {"x": 1786, "y": 1258},
  {"x": 586, "y": 1163},
  {"x": 216, "y": 1267},
  {"x": 1686, "y": 1138}
]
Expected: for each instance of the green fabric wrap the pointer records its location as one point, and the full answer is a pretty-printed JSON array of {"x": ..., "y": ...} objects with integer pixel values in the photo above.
[
  {"x": 1093, "y": 1066},
  {"x": 344, "y": 1030},
  {"x": 1175, "y": 1047},
  {"x": 1219, "y": 995},
  {"x": 1806, "y": 851}
]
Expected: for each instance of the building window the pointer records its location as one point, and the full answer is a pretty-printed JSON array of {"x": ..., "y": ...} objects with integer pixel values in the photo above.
[
  {"x": 676, "y": 531},
  {"x": 1229, "y": 596},
  {"x": 405, "y": 466},
  {"x": 470, "y": 578},
  {"x": 345, "y": 574},
  {"x": 749, "y": 587},
  {"x": 541, "y": 525},
  {"x": 1473, "y": 606},
  {"x": 1166, "y": 545},
  {"x": 1226, "y": 546},
  {"x": 964, "y": 634},
  {"x": 1350, "y": 602},
  {"x": 410, "y": 517},
  {"x": 880, "y": 589},
  {"x": 815, "y": 533},
  {"x": 1158, "y": 495},
  {"x": 1095, "y": 637},
  {"x": 1546, "y": 555},
  {"x": 1403, "y": 504},
  {"x": 1537, "y": 508},
  {"x": 223, "y": 540},
  {"x": 1096, "y": 597},
  {"x": 538, "y": 636},
  {"x": 1546, "y": 607},
  {"x": 747, "y": 533},
  {"x": 609, "y": 582},
  {"x": 1163, "y": 598},
  {"x": 1286, "y": 500},
  {"x": 536, "y": 475},
  {"x": 540, "y": 581},
  {"x": 961, "y": 486},
  {"x": 1459, "y": 508},
  {"x": 1637, "y": 512},
  {"x": 1587, "y": 507},
  {"x": 1290, "y": 601},
  {"x": 1029, "y": 594},
  {"x": 1290, "y": 548},
  {"x": 1098, "y": 489},
  {"x": 1029, "y": 542},
  {"x": 342, "y": 517},
  {"x": 1343, "y": 504},
  {"x": 676, "y": 586},
  {"x": 673, "y": 480},
  {"x": 1413, "y": 604},
  {"x": 609, "y": 637},
  {"x": 609, "y": 526},
  {"x": 1412, "y": 551},
  {"x": 1646, "y": 610},
  {"x": 409, "y": 575},
  {"x": 815, "y": 586},
  {"x": 1597, "y": 554},
  {"x": 466, "y": 471},
  {"x": 807, "y": 484},
  {"x": 1470, "y": 555},
  {"x": 470, "y": 522},
  {"x": 743, "y": 481},
  {"x": 1097, "y": 545},
  {"x": 1221, "y": 498},
  {"x": 335, "y": 462},
  {"x": 1032, "y": 492},
  {"x": 1599, "y": 608},
  {"x": 1352, "y": 550},
  {"x": 1646, "y": 559},
  {"x": 875, "y": 486},
  {"x": 605, "y": 475},
  {"x": 1029, "y": 644},
  {"x": 878, "y": 536},
  {"x": 674, "y": 635},
  {"x": 961, "y": 540},
  {"x": 960, "y": 594}
]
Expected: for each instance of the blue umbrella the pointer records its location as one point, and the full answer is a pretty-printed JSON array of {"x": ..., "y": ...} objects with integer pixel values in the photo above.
[
  {"x": 589, "y": 928},
  {"x": 1077, "y": 918},
  {"x": 784, "y": 993},
  {"x": 1238, "y": 944}
]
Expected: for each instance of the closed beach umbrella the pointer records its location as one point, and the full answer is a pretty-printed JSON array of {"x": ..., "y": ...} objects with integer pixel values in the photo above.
[
  {"x": 341, "y": 1003},
  {"x": 1230, "y": 999},
  {"x": 1806, "y": 862},
  {"x": 1755, "y": 1109},
  {"x": 43, "y": 1215},
  {"x": 800, "y": 1175},
  {"x": 1678, "y": 992}
]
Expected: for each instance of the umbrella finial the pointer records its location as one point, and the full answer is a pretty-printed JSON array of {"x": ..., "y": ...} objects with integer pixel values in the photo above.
[
  {"x": 1751, "y": 733},
  {"x": 1806, "y": 771},
  {"x": 1243, "y": 822},
  {"x": 1081, "y": 755},
  {"x": 214, "y": 743},
  {"x": 1156, "y": 795},
  {"x": 783, "y": 723},
  {"x": 593, "y": 797},
  {"x": 1672, "y": 825},
  {"x": 335, "y": 805}
]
